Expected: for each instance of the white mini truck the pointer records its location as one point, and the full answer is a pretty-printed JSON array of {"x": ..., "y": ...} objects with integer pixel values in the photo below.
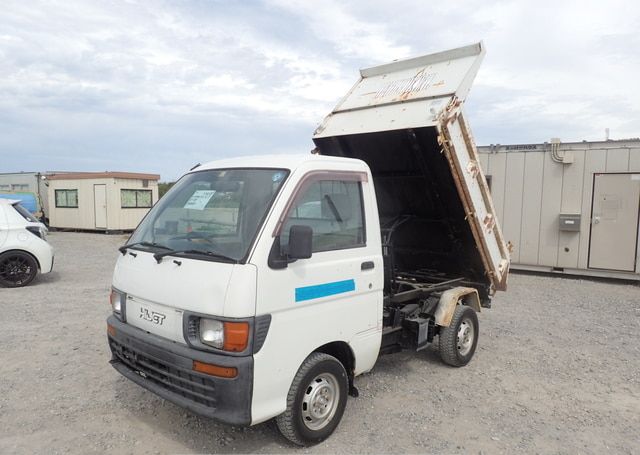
[{"x": 260, "y": 287}]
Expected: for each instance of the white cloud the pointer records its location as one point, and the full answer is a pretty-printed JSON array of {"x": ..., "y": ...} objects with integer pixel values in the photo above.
[
  {"x": 133, "y": 76},
  {"x": 350, "y": 35}
]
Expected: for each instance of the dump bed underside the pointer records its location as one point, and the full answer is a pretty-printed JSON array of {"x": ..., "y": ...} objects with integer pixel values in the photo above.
[{"x": 424, "y": 229}]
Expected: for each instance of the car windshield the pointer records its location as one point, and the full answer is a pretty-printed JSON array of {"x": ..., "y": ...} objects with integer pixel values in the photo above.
[{"x": 215, "y": 211}]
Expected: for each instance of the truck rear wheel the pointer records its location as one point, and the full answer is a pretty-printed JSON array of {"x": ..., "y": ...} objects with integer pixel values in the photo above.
[
  {"x": 316, "y": 400},
  {"x": 458, "y": 341}
]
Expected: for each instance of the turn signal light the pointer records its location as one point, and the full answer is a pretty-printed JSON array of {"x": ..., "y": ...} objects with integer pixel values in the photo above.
[
  {"x": 236, "y": 336},
  {"x": 111, "y": 330},
  {"x": 215, "y": 370}
]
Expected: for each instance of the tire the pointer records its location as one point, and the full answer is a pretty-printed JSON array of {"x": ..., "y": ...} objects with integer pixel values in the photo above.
[
  {"x": 316, "y": 400},
  {"x": 458, "y": 341},
  {"x": 17, "y": 268}
]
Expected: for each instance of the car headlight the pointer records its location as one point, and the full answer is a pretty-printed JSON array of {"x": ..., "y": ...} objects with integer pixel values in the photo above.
[
  {"x": 212, "y": 333},
  {"x": 38, "y": 231},
  {"x": 117, "y": 300},
  {"x": 205, "y": 333}
]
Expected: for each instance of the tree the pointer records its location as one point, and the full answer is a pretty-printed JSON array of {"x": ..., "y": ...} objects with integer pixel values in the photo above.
[{"x": 163, "y": 187}]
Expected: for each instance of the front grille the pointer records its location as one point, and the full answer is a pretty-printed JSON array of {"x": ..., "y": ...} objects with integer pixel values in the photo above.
[{"x": 180, "y": 381}]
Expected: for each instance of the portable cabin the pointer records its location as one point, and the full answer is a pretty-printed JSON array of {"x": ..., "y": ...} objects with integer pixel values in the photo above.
[
  {"x": 569, "y": 208},
  {"x": 100, "y": 201}
]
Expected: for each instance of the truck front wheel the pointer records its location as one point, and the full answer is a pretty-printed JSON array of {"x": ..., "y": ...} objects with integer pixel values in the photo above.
[
  {"x": 458, "y": 341},
  {"x": 316, "y": 400}
]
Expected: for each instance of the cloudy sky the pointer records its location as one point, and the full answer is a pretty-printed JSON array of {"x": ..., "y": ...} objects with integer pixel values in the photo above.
[{"x": 158, "y": 86}]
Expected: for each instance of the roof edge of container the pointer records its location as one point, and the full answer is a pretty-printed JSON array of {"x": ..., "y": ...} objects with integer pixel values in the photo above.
[{"x": 102, "y": 175}]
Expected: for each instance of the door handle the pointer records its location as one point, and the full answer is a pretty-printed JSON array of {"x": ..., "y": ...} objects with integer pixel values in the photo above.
[{"x": 368, "y": 265}]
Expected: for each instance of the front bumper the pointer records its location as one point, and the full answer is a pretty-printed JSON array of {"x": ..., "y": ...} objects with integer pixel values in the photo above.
[{"x": 165, "y": 368}]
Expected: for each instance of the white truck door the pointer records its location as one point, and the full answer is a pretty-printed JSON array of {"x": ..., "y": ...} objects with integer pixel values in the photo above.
[
  {"x": 336, "y": 295},
  {"x": 343, "y": 264}
]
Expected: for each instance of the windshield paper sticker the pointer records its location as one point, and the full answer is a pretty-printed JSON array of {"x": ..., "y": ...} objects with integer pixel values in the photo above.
[{"x": 199, "y": 199}]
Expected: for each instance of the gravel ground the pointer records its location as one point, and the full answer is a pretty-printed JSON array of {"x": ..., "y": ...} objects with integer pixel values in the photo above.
[{"x": 557, "y": 370}]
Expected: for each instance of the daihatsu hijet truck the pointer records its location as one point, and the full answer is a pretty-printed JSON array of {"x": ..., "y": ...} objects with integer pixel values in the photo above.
[{"x": 261, "y": 287}]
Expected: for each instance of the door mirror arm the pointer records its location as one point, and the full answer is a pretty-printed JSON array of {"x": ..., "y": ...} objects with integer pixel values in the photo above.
[
  {"x": 299, "y": 247},
  {"x": 277, "y": 260}
]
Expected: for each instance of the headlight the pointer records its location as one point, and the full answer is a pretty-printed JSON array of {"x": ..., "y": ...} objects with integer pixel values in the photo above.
[
  {"x": 231, "y": 336},
  {"x": 38, "y": 231},
  {"x": 212, "y": 333},
  {"x": 117, "y": 300}
]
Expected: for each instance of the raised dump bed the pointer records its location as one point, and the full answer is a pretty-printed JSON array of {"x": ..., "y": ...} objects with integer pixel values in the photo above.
[{"x": 405, "y": 120}]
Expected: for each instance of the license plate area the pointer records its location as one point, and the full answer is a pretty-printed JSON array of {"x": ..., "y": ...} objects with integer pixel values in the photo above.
[{"x": 154, "y": 318}]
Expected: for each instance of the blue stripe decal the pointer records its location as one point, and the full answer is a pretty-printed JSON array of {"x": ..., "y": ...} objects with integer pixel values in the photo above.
[{"x": 324, "y": 290}]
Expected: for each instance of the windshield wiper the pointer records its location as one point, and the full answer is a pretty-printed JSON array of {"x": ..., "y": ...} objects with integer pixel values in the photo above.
[
  {"x": 123, "y": 248},
  {"x": 158, "y": 256}
]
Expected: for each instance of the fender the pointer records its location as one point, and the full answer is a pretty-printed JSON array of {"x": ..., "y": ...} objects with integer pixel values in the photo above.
[{"x": 450, "y": 299}]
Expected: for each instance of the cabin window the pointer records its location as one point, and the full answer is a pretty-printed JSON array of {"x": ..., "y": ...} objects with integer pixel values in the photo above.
[
  {"x": 334, "y": 210},
  {"x": 67, "y": 199},
  {"x": 134, "y": 199}
]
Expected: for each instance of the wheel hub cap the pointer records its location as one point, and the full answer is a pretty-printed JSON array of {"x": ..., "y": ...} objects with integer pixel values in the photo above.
[
  {"x": 465, "y": 337},
  {"x": 320, "y": 401}
]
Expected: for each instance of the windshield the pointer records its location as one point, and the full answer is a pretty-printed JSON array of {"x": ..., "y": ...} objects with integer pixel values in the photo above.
[{"x": 217, "y": 211}]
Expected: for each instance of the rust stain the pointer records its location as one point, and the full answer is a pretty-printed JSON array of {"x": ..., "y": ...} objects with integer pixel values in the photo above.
[
  {"x": 489, "y": 222},
  {"x": 473, "y": 169}
]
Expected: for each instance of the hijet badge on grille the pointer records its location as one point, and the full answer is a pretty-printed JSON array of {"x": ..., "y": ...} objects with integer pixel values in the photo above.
[{"x": 152, "y": 316}]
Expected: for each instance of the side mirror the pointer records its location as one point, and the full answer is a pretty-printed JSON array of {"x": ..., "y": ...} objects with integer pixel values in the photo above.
[{"x": 300, "y": 242}]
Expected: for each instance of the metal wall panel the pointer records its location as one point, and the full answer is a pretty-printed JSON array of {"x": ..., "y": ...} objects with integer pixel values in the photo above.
[
  {"x": 551, "y": 202},
  {"x": 634, "y": 160},
  {"x": 484, "y": 162},
  {"x": 549, "y": 188},
  {"x": 512, "y": 218},
  {"x": 531, "y": 208},
  {"x": 572, "y": 183},
  {"x": 497, "y": 169},
  {"x": 595, "y": 161},
  {"x": 618, "y": 160}
]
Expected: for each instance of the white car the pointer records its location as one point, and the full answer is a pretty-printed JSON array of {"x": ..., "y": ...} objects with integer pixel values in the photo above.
[{"x": 24, "y": 249}]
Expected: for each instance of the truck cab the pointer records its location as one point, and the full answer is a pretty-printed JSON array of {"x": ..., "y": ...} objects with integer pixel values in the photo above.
[{"x": 261, "y": 287}]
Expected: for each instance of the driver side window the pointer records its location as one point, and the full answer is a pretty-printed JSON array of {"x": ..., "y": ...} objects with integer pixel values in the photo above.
[{"x": 334, "y": 210}]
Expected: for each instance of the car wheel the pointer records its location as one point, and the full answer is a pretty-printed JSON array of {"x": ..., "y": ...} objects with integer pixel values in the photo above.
[{"x": 17, "y": 268}]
